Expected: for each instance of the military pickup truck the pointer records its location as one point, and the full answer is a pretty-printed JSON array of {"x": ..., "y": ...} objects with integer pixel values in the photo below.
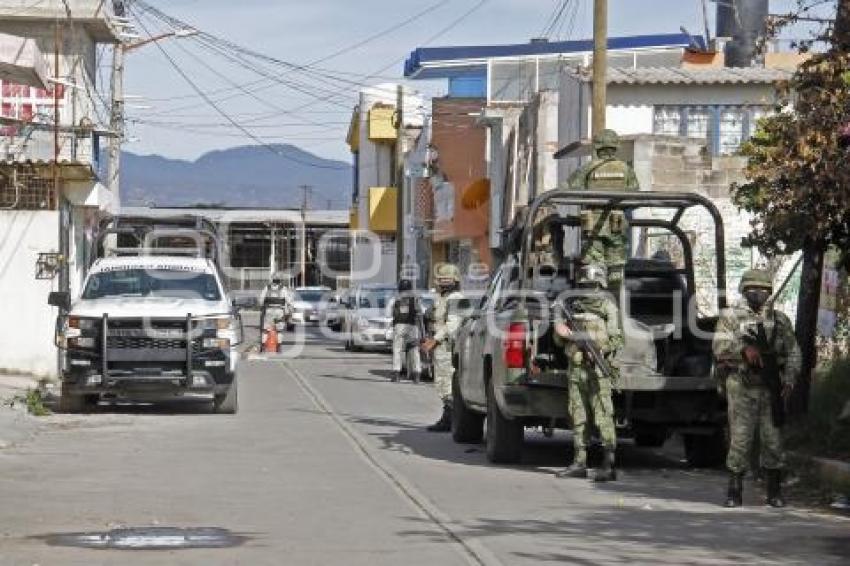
[
  {"x": 509, "y": 369},
  {"x": 154, "y": 320}
]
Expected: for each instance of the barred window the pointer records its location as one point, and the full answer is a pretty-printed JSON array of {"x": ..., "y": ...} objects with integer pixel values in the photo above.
[
  {"x": 724, "y": 127},
  {"x": 26, "y": 191},
  {"x": 668, "y": 121}
]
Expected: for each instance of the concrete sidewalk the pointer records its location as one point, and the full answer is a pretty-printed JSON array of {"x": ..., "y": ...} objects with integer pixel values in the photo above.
[{"x": 16, "y": 425}]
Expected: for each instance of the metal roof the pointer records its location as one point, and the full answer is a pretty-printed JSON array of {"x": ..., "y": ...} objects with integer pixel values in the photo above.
[
  {"x": 443, "y": 62},
  {"x": 690, "y": 76}
]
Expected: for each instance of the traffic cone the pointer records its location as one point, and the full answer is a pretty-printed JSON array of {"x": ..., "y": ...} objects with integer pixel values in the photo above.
[{"x": 270, "y": 344}]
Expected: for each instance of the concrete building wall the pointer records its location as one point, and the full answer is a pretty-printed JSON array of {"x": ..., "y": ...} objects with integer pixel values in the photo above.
[
  {"x": 26, "y": 337},
  {"x": 461, "y": 143},
  {"x": 77, "y": 64},
  {"x": 686, "y": 165}
]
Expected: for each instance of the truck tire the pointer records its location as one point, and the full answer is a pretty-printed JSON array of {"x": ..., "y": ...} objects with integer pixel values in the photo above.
[
  {"x": 70, "y": 403},
  {"x": 228, "y": 403},
  {"x": 467, "y": 425},
  {"x": 705, "y": 450},
  {"x": 504, "y": 436}
]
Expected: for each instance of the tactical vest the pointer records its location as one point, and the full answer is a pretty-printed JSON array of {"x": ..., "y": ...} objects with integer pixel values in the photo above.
[{"x": 611, "y": 174}]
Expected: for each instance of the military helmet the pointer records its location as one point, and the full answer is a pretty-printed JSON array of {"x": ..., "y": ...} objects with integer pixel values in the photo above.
[
  {"x": 447, "y": 271},
  {"x": 606, "y": 139},
  {"x": 593, "y": 274},
  {"x": 756, "y": 278}
]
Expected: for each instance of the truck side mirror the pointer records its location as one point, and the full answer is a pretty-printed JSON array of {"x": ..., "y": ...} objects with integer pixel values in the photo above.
[{"x": 60, "y": 299}]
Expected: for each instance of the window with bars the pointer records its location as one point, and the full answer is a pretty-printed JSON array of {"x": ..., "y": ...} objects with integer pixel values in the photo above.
[
  {"x": 26, "y": 191},
  {"x": 724, "y": 127}
]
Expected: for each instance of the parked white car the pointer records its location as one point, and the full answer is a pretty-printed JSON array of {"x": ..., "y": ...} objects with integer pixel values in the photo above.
[
  {"x": 308, "y": 304},
  {"x": 367, "y": 322}
]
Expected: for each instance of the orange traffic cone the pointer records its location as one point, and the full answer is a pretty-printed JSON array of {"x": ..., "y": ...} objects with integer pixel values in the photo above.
[{"x": 270, "y": 344}]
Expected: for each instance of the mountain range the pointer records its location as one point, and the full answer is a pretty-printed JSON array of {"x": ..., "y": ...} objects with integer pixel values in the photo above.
[{"x": 245, "y": 177}]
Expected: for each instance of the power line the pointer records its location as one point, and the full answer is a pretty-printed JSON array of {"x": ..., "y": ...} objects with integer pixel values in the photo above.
[
  {"x": 309, "y": 67},
  {"x": 227, "y": 117}
]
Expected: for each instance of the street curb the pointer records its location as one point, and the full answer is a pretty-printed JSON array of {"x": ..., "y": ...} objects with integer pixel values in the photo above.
[{"x": 832, "y": 473}]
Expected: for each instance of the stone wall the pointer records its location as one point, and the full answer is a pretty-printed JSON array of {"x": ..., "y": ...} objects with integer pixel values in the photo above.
[{"x": 674, "y": 164}]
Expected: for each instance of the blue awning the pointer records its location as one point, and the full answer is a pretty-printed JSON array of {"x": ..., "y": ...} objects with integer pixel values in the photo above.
[{"x": 447, "y": 62}]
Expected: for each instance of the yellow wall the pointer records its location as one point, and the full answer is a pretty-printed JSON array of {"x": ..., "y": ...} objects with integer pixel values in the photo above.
[
  {"x": 381, "y": 126},
  {"x": 382, "y": 209}
]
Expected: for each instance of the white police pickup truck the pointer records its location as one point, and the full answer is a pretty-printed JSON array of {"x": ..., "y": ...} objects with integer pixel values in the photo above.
[{"x": 149, "y": 328}]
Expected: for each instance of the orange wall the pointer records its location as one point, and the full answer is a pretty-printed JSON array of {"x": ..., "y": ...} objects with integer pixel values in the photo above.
[{"x": 461, "y": 145}]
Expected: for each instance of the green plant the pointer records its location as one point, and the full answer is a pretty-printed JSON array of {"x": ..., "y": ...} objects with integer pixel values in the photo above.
[
  {"x": 819, "y": 432},
  {"x": 32, "y": 400}
]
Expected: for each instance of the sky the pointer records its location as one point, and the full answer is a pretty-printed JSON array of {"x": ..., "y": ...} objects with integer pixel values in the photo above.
[{"x": 168, "y": 117}]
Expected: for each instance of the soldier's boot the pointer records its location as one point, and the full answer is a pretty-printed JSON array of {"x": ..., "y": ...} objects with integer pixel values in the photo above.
[
  {"x": 735, "y": 491},
  {"x": 578, "y": 469},
  {"x": 606, "y": 471},
  {"x": 444, "y": 424},
  {"x": 774, "y": 488}
]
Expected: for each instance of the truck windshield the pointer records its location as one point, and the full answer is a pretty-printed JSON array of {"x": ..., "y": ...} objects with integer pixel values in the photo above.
[
  {"x": 310, "y": 296},
  {"x": 170, "y": 283}
]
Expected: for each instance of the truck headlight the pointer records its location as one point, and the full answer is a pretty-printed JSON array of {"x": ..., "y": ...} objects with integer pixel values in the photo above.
[
  {"x": 67, "y": 328},
  {"x": 224, "y": 328},
  {"x": 85, "y": 343},
  {"x": 217, "y": 343},
  {"x": 81, "y": 323}
]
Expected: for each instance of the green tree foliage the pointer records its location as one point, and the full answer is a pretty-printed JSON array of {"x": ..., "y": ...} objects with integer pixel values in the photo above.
[{"x": 798, "y": 177}]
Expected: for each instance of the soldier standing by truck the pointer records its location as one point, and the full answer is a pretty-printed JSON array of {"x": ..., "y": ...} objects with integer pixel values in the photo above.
[
  {"x": 447, "y": 319},
  {"x": 757, "y": 359},
  {"x": 605, "y": 234},
  {"x": 590, "y": 386}
]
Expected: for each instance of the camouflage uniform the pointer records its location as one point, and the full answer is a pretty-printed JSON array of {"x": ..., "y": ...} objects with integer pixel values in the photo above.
[
  {"x": 447, "y": 320},
  {"x": 749, "y": 400},
  {"x": 589, "y": 390},
  {"x": 605, "y": 238}
]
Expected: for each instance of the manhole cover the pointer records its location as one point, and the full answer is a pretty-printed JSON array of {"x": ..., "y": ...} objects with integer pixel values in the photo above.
[{"x": 149, "y": 538}]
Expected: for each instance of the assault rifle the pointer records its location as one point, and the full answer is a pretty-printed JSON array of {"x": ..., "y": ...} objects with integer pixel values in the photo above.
[
  {"x": 584, "y": 343},
  {"x": 769, "y": 370}
]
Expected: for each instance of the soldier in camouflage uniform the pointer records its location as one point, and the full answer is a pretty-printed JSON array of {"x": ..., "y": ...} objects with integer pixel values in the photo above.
[
  {"x": 739, "y": 365},
  {"x": 589, "y": 389},
  {"x": 605, "y": 237},
  {"x": 447, "y": 319}
]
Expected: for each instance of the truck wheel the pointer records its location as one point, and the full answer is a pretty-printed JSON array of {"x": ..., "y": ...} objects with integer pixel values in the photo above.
[
  {"x": 70, "y": 403},
  {"x": 228, "y": 403},
  {"x": 504, "y": 436},
  {"x": 705, "y": 450},
  {"x": 467, "y": 425}
]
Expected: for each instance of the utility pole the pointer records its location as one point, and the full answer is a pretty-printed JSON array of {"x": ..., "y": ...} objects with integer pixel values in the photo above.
[
  {"x": 305, "y": 204},
  {"x": 600, "y": 63},
  {"x": 116, "y": 126},
  {"x": 399, "y": 180}
]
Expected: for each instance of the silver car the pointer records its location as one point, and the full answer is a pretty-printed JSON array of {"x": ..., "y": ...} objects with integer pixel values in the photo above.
[{"x": 367, "y": 322}]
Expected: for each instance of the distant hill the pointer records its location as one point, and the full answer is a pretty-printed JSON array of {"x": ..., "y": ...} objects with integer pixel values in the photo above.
[{"x": 247, "y": 176}]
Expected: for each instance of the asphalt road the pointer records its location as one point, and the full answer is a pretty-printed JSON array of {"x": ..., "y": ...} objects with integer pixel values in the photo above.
[{"x": 328, "y": 463}]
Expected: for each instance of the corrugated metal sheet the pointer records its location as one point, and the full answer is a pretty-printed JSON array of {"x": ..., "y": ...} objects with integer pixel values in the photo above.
[{"x": 678, "y": 75}]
